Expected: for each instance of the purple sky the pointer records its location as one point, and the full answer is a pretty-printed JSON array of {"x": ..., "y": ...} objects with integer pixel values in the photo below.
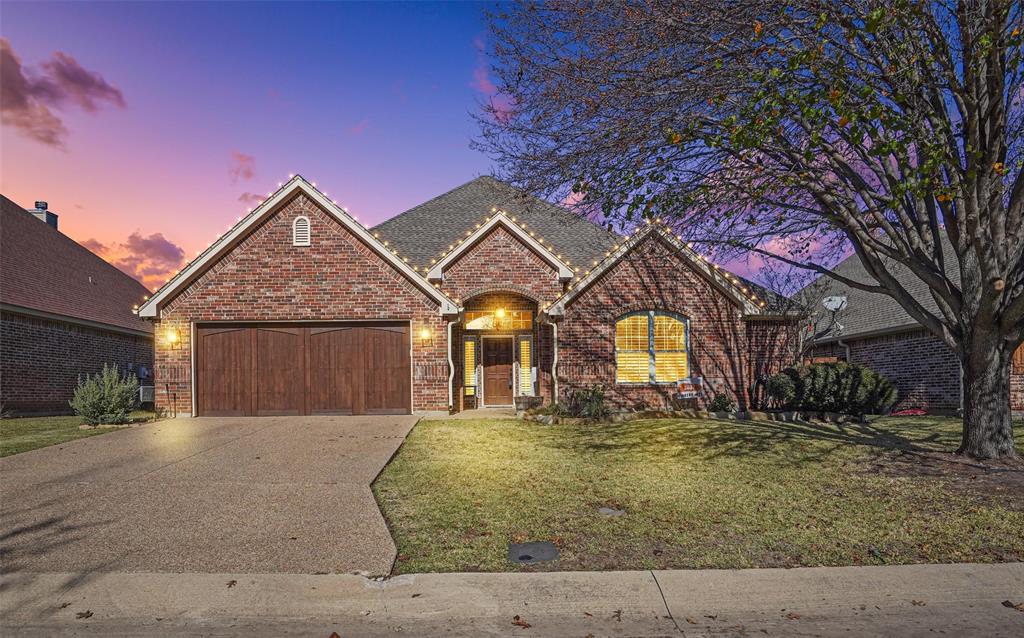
[{"x": 150, "y": 128}]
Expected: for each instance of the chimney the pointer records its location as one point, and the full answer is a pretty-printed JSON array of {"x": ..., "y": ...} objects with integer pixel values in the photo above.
[{"x": 42, "y": 213}]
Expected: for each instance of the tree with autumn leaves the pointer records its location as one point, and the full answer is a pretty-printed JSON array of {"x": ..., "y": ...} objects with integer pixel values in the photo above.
[{"x": 798, "y": 131}]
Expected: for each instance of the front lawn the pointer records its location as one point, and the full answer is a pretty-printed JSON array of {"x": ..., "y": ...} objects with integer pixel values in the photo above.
[
  {"x": 28, "y": 433},
  {"x": 697, "y": 494}
]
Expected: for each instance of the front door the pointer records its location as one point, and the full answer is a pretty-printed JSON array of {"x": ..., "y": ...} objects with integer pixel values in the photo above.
[{"x": 498, "y": 371}]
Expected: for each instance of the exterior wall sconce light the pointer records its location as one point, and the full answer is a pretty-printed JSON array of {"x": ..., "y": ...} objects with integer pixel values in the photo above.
[
  {"x": 426, "y": 336},
  {"x": 500, "y": 313},
  {"x": 172, "y": 338}
]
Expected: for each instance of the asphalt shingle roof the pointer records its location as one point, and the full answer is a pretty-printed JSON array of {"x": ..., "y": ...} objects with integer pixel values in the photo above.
[
  {"x": 423, "y": 232},
  {"x": 43, "y": 269},
  {"x": 872, "y": 312}
]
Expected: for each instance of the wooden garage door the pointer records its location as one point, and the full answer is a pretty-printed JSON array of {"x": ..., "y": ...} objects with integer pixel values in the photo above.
[{"x": 266, "y": 369}]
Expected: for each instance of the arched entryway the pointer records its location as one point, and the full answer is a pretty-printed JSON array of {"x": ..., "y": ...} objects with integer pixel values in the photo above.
[{"x": 498, "y": 350}]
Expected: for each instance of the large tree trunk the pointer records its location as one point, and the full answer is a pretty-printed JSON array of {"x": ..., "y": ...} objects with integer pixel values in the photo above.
[{"x": 988, "y": 429}]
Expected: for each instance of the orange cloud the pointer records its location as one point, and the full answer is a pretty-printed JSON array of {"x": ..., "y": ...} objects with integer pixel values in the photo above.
[{"x": 149, "y": 259}]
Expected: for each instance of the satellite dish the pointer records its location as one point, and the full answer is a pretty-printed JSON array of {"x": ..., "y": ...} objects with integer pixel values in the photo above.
[{"x": 834, "y": 304}]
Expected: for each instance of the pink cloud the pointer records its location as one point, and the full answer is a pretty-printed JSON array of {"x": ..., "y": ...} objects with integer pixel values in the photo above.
[
  {"x": 252, "y": 199},
  {"x": 28, "y": 95},
  {"x": 499, "y": 105},
  {"x": 242, "y": 166},
  {"x": 149, "y": 259},
  {"x": 359, "y": 127}
]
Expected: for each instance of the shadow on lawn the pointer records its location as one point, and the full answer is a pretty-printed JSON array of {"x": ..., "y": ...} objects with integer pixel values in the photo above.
[{"x": 790, "y": 443}]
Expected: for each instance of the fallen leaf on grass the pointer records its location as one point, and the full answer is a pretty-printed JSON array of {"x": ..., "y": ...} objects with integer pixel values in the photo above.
[
  {"x": 917, "y": 603},
  {"x": 617, "y": 615},
  {"x": 1018, "y": 606},
  {"x": 793, "y": 615},
  {"x": 84, "y": 614},
  {"x": 588, "y": 614},
  {"x": 334, "y": 634},
  {"x": 691, "y": 620},
  {"x": 519, "y": 622},
  {"x": 232, "y": 583},
  {"x": 416, "y": 595},
  {"x": 63, "y": 605}
]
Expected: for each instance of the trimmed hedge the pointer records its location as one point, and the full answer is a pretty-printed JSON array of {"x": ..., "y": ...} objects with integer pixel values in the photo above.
[{"x": 840, "y": 387}]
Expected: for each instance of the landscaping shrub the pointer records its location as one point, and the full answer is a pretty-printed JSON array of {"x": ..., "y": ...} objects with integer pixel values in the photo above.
[
  {"x": 721, "y": 403},
  {"x": 832, "y": 387},
  {"x": 585, "y": 403},
  {"x": 106, "y": 397}
]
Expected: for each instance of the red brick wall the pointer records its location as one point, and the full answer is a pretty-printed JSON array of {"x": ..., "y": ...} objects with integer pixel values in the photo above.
[
  {"x": 41, "y": 360},
  {"x": 500, "y": 261},
  {"x": 924, "y": 370},
  {"x": 728, "y": 351},
  {"x": 1017, "y": 393},
  {"x": 265, "y": 278}
]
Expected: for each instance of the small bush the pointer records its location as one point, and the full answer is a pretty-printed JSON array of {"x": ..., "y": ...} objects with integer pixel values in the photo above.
[
  {"x": 781, "y": 389},
  {"x": 585, "y": 403},
  {"x": 722, "y": 403},
  {"x": 105, "y": 398},
  {"x": 832, "y": 387}
]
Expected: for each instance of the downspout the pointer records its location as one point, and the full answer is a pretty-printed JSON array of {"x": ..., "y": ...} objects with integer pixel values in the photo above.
[
  {"x": 846, "y": 347},
  {"x": 451, "y": 369},
  {"x": 554, "y": 362}
]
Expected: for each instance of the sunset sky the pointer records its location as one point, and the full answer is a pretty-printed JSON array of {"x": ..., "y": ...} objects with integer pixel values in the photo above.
[{"x": 149, "y": 127}]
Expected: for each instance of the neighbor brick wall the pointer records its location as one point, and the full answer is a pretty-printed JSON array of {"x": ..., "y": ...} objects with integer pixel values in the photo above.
[
  {"x": 501, "y": 262},
  {"x": 728, "y": 351},
  {"x": 924, "y": 370},
  {"x": 42, "y": 359},
  {"x": 265, "y": 278}
]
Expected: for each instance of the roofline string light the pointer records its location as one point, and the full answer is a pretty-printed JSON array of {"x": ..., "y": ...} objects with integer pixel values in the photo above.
[
  {"x": 249, "y": 212},
  {"x": 452, "y": 247},
  {"x": 677, "y": 239}
]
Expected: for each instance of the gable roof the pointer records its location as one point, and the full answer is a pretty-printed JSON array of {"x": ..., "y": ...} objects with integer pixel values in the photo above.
[
  {"x": 270, "y": 205},
  {"x": 424, "y": 232},
  {"x": 730, "y": 284},
  {"x": 44, "y": 270},
  {"x": 873, "y": 312},
  {"x": 518, "y": 229}
]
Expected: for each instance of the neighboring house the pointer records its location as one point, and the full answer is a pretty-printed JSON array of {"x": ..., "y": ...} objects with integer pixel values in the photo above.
[
  {"x": 875, "y": 331},
  {"x": 64, "y": 312},
  {"x": 479, "y": 297}
]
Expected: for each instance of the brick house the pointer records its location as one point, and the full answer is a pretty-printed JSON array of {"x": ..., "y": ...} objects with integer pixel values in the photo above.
[
  {"x": 480, "y": 297},
  {"x": 64, "y": 312},
  {"x": 875, "y": 331}
]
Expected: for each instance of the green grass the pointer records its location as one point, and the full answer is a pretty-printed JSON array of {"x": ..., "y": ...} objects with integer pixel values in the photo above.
[
  {"x": 698, "y": 494},
  {"x": 29, "y": 433}
]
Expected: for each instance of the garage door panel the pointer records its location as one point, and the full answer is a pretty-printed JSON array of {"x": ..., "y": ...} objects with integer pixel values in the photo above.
[
  {"x": 387, "y": 370},
  {"x": 225, "y": 371},
  {"x": 267, "y": 369},
  {"x": 336, "y": 370},
  {"x": 280, "y": 371}
]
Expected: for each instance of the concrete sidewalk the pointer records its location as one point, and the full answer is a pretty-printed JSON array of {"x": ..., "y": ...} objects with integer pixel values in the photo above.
[{"x": 914, "y": 600}]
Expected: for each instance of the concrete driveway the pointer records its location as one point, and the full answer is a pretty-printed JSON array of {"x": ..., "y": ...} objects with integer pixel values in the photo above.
[{"x": 271, "y": 494}]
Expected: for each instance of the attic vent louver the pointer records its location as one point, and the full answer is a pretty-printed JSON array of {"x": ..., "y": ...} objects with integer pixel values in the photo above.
[{"x": 300, "y": 231}]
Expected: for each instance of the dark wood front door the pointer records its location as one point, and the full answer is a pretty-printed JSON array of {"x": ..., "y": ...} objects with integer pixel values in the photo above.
[
  {"x": 269, "y": 369},
  {"x": 498, "y": 371}
]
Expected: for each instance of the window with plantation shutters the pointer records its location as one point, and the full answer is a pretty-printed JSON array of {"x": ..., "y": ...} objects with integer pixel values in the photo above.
[
  {"x": 300, "y": 231},
  {"x": 469, "y": 366},
  {"x": 526, "y": 366},
  {"x": 651, "y": 347}
]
